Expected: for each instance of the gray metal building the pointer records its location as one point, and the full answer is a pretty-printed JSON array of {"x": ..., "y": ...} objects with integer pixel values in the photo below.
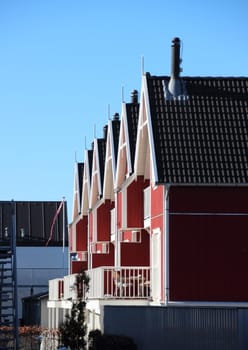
[{"x": 174, "y": 328}]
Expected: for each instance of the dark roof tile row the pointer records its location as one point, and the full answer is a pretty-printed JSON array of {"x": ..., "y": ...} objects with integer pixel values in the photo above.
[
  {"x": 132, "y": 110},
  {"x": 202, "y": 138}
]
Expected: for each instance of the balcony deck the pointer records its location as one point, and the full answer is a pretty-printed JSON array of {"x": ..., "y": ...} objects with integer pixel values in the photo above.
[
  {"x": 119, "y": 283},
  {"x": 106, "y": 282}
]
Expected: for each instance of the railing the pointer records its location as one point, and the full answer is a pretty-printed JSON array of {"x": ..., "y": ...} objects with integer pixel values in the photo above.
[
  {"x": 118, "y": 283},
  {"x": 70, "y": 290},
  {"x": 56, "y": 289},
  {"x": 106, "y": 282}
]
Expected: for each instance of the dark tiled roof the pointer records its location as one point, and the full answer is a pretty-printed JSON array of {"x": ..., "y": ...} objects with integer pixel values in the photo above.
[
  {"x": 80, "y": 179},
  {"x": 116, "y": 132},
  {"x": 204, "y": 138},
  {"x": 90, "y": 158},
  {"x": 101, "y": 143},
  {"x": 132, "y": 110}
]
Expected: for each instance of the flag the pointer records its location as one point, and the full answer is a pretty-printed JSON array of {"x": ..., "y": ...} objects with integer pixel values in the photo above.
[{"x": 54, "y": 220}]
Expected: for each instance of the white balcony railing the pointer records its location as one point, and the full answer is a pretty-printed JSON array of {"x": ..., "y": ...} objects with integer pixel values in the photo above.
[
  {"x": 54, "y": 289},
  {"x": 106, "y": 283},
  {"x": 70, "y": 290},
  {"x": 111, "y": 282}
]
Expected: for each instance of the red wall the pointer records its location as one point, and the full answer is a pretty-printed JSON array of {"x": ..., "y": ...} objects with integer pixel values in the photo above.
[
  {"x": 103, "y": 221},
  {"x": 81, "y": 236},
  {"x": 103, "y": 259},
  {"x": 209, "y": 199},
  {"x": 157, "y": 222},
  {"x": 78, "y": 266},
  {"x": 157, "y": 207},
  {"x": 157, "y": 199},
  {"x": 208, "y": 244},
  {"x": 136, "y": 254},
  {"x": 135, "y": 202}
]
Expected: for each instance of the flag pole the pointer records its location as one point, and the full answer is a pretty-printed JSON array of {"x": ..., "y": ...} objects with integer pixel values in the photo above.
[{"x": 54, "y": 221}]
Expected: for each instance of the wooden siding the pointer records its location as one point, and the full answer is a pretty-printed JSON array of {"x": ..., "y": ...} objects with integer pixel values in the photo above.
[
  {"x": 209, "y": 199},
  {"x": 103, "y": 259},
  {"x": 157, "y": 224},
  {"x": 81, "y": 234},
  {"x": 157, "y": 207},
  {"x": 136, "y": 254},
  {"x": 78, "y": 266},
  {"x": 135, "y": 202},
  {"x": 208, "y": 244},
  {"x": 103, "y": 221}
]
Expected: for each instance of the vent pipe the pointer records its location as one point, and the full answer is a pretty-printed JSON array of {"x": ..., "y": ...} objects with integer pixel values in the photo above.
[
  {"x": 105, "y": 132},
  {"x": 116, "y": 116},
  {"x": 175, "y": 58},
  {"x": 134, "y": 96},
  {"x": 176, "y": 86}
]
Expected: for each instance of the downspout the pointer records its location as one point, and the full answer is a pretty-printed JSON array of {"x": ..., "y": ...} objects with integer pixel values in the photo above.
[
  {"x": 89, "y": 246},
  {"x": 117, "y": 238},
  {"x": 166, "y": 244}
]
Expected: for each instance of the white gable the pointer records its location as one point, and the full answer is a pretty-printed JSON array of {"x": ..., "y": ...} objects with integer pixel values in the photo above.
[
  {"x": 76, "y": 194},
  {"x": 124, "y": 164},
  {"x": 110, "y": 166},
  {"x": 86, "y": 186},
  {"x": 145, "y": 163}
]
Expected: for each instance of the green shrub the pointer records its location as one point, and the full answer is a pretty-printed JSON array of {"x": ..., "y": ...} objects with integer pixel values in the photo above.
[{"x": 99, "y": 341}]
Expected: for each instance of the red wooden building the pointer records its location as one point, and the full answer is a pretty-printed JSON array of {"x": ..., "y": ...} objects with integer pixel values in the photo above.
[{"x": 161, "y": 199}]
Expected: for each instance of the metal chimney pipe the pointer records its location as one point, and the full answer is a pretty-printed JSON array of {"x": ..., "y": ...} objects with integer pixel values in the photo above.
[
  {"x": 175, "y": 58},
  {"x": 134, "y": 96},
  {"x": 105, "y": 132},
  {"x": 116, "y": 116}
]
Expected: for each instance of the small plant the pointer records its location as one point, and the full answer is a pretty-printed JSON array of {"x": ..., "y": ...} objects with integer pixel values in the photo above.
[
  {"x": 99, "y": 341},
  {"x": 73, "y": 329},
  {"x": 82, "y": 284}
]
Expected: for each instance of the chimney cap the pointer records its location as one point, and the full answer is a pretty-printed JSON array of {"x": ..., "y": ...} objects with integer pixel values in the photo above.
[
  {"x": 175, "y": 58},
  {"x": 134, "y": 96},
  {"x": 176, "y": 40},
  {"x": 116, "y": 116},
  {"x": 105, "y": 131},
  {"x": 176, "y": 87}
]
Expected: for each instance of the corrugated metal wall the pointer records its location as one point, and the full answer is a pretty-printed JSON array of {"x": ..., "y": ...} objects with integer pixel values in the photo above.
[
  {"x": 33, "y": 222},
  {"x": 174, "y": 328}
]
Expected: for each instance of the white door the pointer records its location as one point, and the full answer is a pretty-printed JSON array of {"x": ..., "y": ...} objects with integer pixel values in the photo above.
[{"x": 156, "y": 265}]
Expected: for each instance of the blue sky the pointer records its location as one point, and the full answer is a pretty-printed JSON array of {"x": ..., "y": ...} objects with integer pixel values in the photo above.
[{"x": 65, "y": 63}]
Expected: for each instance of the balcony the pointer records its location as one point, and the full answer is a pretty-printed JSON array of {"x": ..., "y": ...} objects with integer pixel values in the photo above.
[
  {"x": 108, "y": 283},
  {"x": 56, "y": 289},
  {"x": 119, "y": 283}
]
